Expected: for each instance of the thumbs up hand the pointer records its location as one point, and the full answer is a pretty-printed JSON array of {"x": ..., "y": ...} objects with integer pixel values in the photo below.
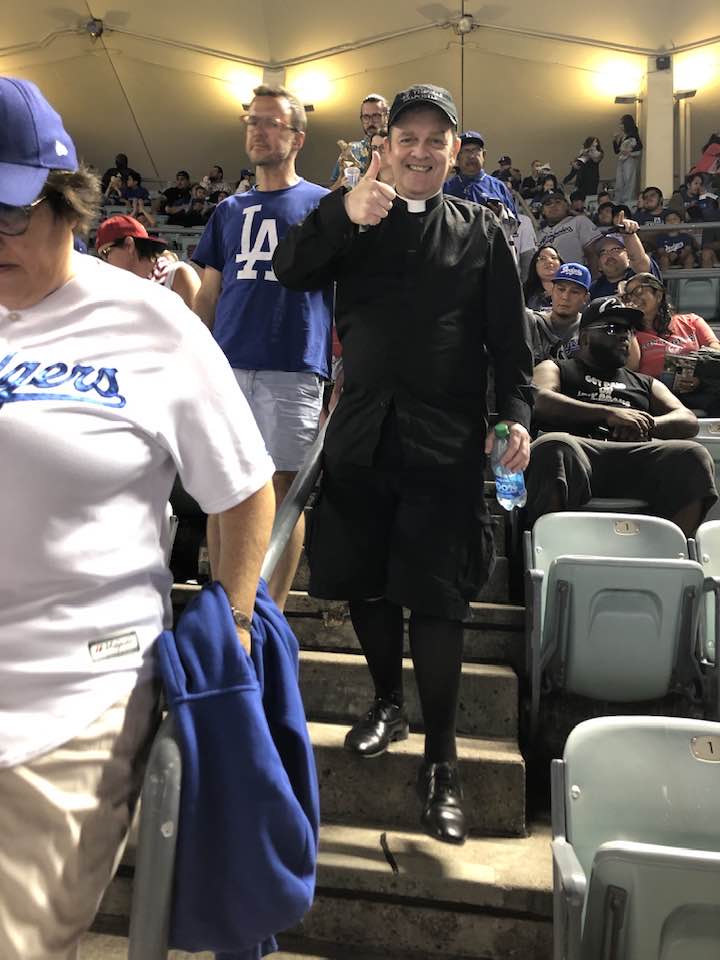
[{"x": 370, "y": 201}]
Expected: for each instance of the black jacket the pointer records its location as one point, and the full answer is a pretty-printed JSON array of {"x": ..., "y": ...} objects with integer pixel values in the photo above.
[{"x": 420, "y": 300}]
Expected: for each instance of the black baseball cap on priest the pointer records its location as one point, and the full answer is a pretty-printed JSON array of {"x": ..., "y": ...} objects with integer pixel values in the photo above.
[{"x": 424, "y": 94}]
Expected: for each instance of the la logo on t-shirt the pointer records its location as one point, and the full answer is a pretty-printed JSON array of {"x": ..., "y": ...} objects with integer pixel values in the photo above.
[{"x": 261, "y": 251}]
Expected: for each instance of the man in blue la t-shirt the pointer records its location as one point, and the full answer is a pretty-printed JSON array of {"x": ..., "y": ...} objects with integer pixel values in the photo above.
[{"x": 277, "y": 341}]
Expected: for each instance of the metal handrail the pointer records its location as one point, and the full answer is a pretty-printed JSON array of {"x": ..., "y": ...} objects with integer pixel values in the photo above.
[
  {"x": 685, "y": 225},
  {"x": 294, "y": 503},
  {"x": 151, "y": 906}
]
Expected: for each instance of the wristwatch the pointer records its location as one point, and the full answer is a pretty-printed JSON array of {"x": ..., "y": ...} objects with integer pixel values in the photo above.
[{"x": 241, "y": 619}]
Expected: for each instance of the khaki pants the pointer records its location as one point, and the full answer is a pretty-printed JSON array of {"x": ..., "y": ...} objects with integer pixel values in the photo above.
[{"x": 64, "y": 819}]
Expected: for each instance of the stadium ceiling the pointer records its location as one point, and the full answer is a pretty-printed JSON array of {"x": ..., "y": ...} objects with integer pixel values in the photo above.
[
  {"x": 288, "y": 32},
  {"x": 165, "y": 83}
]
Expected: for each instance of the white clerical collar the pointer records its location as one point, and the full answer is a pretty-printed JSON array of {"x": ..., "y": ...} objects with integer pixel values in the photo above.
[{"x": 420, "y": 206}]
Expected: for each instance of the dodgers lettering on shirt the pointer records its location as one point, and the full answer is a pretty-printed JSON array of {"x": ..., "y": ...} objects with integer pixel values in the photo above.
[
  {"x": 24, "y": 379},
  {"x": 259, "y": 324}
]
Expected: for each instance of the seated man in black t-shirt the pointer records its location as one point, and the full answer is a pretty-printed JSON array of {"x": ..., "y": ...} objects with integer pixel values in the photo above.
[
  {"x": 624, "y": 432},
  {"x": 175, "y": 199}
]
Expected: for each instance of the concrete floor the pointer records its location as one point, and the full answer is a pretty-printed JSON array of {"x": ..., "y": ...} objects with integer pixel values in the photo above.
[{"x": 103, "y": 946}]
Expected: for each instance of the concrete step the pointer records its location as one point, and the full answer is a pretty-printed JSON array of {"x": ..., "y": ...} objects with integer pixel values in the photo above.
[
  {"x": 400, "y": 895},
  {"x": 494, "y": 633},
  {"x": 108, "y": 946},
  {"x": 337, "y": 687},
  {"x": 381, "y": 791}
]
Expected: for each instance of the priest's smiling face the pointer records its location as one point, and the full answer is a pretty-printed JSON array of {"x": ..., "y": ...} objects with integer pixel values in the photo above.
[{"x": 422, "y": 146}]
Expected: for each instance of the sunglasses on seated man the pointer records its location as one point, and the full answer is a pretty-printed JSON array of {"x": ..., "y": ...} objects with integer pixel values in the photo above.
[
  {"x": 14, "y": 221},
  {"x": 611, "y": 329}
]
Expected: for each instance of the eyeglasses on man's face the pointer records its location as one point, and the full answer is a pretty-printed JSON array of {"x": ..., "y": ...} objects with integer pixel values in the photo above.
[
  {"x": 14, "y": 221},
  {"x": 372, "y": 117},
  {"x": 254, "y": 122}
]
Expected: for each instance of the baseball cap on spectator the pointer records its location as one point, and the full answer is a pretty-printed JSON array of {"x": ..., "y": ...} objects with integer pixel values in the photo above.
[
  {"x": 575, "y": 273},
  {"x": 120, "y": 226},
  {"x": 472, "y": 136},
  {"x": 504, "y": 159},
  {"x": 427, "y": 94},
  {"x": 616, "y": 240},
  {"x": 33, "y": 141},
  {"x": 552, "y": 194},
  {"x": 245, "y": 173},
  {"x": 605, "y": 308}
]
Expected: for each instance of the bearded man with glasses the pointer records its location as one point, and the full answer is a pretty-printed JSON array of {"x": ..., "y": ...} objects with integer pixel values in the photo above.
[
  {"x": 373, "y": 117},
  {"x": 623, "y": 433},
  {"x": 277, "y": 341}
]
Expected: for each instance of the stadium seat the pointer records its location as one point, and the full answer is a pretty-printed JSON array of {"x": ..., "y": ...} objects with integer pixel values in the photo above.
[
  {"x": 707, "y": 546},
  {"x": 709, "y": 436},
  {"x": 612, "y": 608},
  {"x": 699, "y": 295},
  {"x": 636, "y": 849}
]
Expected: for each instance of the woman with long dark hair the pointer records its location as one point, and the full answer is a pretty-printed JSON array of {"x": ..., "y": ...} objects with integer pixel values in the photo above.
[
  {"x": 585, "y": 169},
  {"x": 664, "y": 333},
  {"x": 541, "y": 270},
  {"x": 628, "y": 148}
]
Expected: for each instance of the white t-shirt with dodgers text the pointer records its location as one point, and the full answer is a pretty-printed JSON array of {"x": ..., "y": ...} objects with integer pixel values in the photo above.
[{"x": 108, "y": 388}]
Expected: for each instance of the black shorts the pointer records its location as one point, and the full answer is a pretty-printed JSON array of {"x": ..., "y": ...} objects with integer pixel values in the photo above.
[
  {"x": 668, "y": 474},
  {"x": 420, "y": 536}
]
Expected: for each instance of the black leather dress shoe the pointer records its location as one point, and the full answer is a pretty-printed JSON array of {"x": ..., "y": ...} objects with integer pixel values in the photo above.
[
  {"x": 441, "y": 795},
  {"x": 383, "y": 723}
]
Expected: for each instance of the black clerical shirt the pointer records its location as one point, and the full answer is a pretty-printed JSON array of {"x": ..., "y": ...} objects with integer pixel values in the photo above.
[{"x": 420, "y": 301}]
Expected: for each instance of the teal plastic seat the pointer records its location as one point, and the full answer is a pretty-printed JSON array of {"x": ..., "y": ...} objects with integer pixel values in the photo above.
[
  {"x": 709, "y": 436},
  {"x": 636, "y": 846},
  {"x": 707, "y": 547},
  {"x": 613, "y": 605}
]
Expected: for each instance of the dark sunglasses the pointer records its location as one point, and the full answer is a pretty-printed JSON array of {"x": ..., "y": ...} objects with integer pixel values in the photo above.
[
  {"x": 611, "y": 329},
  {"x": 14, "y": 221}
]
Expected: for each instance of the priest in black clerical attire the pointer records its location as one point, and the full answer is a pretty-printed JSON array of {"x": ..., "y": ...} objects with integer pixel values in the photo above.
[{"x": 427, "y": 296}]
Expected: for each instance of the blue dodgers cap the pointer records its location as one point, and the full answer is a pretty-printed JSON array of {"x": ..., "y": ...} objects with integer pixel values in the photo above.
[
  {"x": 575, "y": 273},
  {"x": 472, "y": 136},
  {"x": 424, "y": 94},
  {"x": 33, "y": 141}
]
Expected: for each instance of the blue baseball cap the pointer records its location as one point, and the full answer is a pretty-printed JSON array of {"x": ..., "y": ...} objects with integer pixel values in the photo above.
[
  {"x": 33, "y": 141},
  {"x": 574, "y": 273},
  {"x": 472, "y": 136}
]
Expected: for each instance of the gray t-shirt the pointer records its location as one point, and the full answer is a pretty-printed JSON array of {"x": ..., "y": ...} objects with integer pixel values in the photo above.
[
  {"x": 547, "y": 342},
  {"x": 570, "y": 237}
]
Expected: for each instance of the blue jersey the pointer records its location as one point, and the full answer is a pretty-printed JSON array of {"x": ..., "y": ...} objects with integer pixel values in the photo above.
[
  {"x": 259, "y": 324},
  {"x": 479, "y": 188}
]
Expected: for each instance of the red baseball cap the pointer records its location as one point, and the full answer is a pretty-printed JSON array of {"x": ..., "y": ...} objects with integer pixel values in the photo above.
[{"x": 115, "y": 228}]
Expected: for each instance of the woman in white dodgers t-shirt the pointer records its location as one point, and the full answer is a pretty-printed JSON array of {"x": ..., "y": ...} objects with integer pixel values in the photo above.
[{"x": 108, "y": 387}]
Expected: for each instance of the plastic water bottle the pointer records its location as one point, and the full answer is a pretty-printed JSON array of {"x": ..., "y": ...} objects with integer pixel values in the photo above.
[
  {"x": 509, "y": 486},
  {"x": 352, "y": 177}
]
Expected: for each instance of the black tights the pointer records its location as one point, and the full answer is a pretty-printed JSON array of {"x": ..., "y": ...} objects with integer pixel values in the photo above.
[{"x": 436, "y": 646}]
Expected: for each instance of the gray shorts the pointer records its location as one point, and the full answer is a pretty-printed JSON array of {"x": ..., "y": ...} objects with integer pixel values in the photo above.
[{"x": 286, "y": 407}]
